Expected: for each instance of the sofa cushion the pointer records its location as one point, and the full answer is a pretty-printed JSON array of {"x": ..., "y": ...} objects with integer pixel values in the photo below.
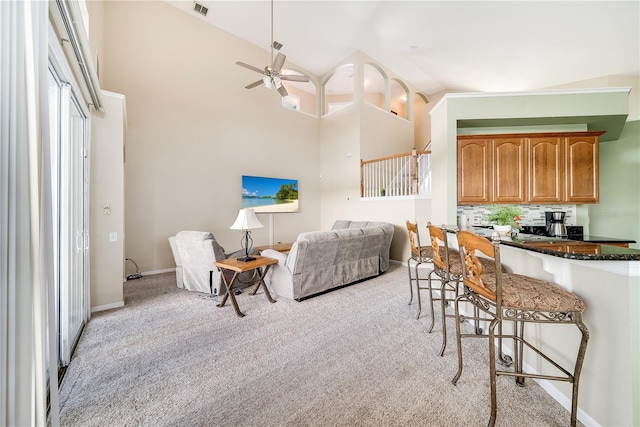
[
  {"x": 341, "y": 223},
  {"x": 349, "y": 245}
]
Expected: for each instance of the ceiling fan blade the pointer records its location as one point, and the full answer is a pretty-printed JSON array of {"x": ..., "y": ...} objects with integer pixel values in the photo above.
[
  {"x": 278, "y": 62},
  {"x": 250, "y": 67},
  {"x": 254, "y": 84},
  {"x": 282, "y": 91},
  {"x": 295, "y": 78}
]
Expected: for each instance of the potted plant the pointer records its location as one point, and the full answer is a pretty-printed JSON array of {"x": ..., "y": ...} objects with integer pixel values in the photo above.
[{"x": 504, "y": 217}]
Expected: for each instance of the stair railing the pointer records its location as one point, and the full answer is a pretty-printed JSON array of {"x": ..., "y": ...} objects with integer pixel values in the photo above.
[{"x": 398, "y": 175}]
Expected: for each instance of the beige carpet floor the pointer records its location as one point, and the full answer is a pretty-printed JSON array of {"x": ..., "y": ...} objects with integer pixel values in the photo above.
[{"x": 356, "y": 356}]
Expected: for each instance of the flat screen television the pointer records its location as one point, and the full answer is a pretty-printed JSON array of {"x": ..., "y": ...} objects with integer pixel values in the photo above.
[{"x": 269, "y": 195}]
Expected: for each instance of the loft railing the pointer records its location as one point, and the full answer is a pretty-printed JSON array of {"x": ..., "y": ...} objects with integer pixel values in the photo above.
[{"x": 403, "y": 174}]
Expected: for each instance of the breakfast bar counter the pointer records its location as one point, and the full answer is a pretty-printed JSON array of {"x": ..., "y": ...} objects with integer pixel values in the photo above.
[
  {"x": 589, "y": 248},
  {"x": 608, "y": 281},
  {"x": 572, "y": 249},
  {"x": 606, "y": 240}
]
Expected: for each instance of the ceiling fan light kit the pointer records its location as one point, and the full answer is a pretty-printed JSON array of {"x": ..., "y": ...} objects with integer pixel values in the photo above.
[{"x": 272, "y": 77}]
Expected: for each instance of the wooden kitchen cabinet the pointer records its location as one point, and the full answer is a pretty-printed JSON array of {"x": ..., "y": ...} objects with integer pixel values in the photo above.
[
  {"x": 550, "y": 246},
  {"x": 560, "y": 167},
  {"x": 583, "y": 248},
  {"x": 475, "y": 174},
  {"x": 509, "y": 170},
  {"x": 620, "y": 245},
  {"x": 546, "y": 170},
  {"x": 573, "y": 247},
  {"x": 582, "y": 161}
]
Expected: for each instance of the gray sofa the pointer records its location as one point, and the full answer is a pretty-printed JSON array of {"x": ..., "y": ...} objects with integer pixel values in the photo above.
[{"x": 324, "y": 260}]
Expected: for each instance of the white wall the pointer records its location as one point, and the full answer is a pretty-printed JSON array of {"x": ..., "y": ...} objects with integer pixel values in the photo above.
[
  {"x": 363, "y": 131},
  {"x": 194, "y": 131},
  {"x": 340, "y": 164},
  {"x": 107, "y": 202}
]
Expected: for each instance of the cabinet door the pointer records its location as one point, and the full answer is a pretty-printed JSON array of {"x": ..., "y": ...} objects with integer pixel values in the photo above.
[
  {"x": 509, "y": 170},
  {"x": 584, "y": 248},
  {"x": 474, "y": 171},
  {"x": 550, "y": 246},
  {"x": 582, "y": 170},
  {"x": 546, "y": 170},
  {"x": 621, "y": 245}
]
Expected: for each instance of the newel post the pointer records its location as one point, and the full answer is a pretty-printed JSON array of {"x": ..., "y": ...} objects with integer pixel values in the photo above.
[
  {"x": 414, "y": 171},
  {"x": 361, "y": 178}
]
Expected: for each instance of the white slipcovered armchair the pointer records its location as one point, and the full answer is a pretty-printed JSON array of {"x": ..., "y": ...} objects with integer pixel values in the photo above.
[{"x": 194, "y": 253}]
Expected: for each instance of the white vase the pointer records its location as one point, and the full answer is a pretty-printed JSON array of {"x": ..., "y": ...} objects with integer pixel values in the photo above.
[{"x": 503, "y": 230}]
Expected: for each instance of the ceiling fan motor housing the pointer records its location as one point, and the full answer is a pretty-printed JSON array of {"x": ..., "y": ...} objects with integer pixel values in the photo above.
[{"x": 271, "y": 74}]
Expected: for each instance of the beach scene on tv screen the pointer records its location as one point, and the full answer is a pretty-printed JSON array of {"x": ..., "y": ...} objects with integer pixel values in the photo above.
[{"x": 265, "y": 195}]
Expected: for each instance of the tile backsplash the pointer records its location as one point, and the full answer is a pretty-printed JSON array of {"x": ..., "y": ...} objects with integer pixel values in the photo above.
[{"x": 532, "y": 214}]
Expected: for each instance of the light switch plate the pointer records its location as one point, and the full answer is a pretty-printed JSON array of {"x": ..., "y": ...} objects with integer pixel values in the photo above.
[{"x": 113, "y": 236}]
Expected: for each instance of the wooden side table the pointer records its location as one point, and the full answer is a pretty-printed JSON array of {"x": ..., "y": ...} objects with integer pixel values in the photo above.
[
  {"x": 238, "y": 267},
  {"x": 280, "y": 247}
]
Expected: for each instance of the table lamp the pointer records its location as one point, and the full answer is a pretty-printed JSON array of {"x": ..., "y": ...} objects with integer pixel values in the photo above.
[{"x": 246, "y": 221}]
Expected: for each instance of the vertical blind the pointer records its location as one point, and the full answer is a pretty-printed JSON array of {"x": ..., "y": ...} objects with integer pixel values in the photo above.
[{"x": 25, "y": 233}]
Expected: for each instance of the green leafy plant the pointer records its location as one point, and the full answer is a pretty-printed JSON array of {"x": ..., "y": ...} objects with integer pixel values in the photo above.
[
  {"x": 504, "y": 215},
  {"x": 287, "y": 192}
]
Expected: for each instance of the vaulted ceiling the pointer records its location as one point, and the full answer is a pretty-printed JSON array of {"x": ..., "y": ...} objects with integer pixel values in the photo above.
[{"x": 489, "y": 46}]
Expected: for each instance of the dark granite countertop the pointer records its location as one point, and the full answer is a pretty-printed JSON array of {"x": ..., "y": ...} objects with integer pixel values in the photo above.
[
  {"x": 600, "y": 239},
  {"x": 607, "y": 252},
  {"x": 530, "y": 241}
]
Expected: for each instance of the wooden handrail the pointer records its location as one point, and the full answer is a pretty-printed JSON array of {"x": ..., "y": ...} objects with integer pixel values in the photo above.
[{"x": 395, "y": 156}]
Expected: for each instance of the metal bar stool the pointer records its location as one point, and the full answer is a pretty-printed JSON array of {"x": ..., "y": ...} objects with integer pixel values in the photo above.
[
  {"x": 448, "y": 267},
  {"x": 419, "y": 255},
  {"x": 520, "y": 299}
]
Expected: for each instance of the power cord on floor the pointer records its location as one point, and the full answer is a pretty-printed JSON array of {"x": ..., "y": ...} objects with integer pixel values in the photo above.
[{"x": 137, "y": 274}]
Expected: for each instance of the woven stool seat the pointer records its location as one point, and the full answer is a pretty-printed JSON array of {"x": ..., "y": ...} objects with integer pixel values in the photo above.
[
  {"x": 526, "y": 293},
  {"x": 423, "y": 254}
]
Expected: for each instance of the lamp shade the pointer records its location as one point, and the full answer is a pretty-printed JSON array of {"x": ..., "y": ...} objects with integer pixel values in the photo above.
[{"x": 246, "y": 220}]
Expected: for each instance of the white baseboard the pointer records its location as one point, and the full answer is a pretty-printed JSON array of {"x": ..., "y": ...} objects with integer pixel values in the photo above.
[
  {"x": 152, "y": 272},
  {"x": 107, "y": 306}
]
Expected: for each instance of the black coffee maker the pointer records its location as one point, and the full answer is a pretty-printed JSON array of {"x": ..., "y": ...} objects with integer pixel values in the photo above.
[{"x": 555, "y": 224}]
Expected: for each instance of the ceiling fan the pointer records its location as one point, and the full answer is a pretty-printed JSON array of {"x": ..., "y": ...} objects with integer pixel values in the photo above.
[{"x": 272, "y": 77}]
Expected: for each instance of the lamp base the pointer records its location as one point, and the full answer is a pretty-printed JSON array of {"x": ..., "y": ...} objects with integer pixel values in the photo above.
[{"x": 246, "y": 259}]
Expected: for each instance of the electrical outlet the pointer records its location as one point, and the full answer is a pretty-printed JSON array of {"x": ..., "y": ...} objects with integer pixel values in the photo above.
[
  {"x": 106, "y": 210},
  {"x": 113, "y": 236}
]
